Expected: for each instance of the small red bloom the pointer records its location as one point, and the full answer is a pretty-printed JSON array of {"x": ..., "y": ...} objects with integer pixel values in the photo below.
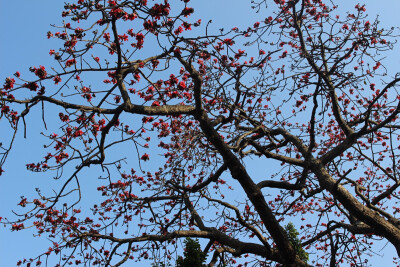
[
  {"x": 31, "y": 86},
  {"x": 57, "y": 79},
  {"x": 187, "y": 11},
  {"x": 40, "y": 72},
  {"x": 229, "y": 41},
  {"x": 178, "y": 31},
  {"x": 9, "y": 84},
  {"x": 70, "y": 62},
  {"x": 182, "y": 85},
  {"x": 145, "y": 157}
]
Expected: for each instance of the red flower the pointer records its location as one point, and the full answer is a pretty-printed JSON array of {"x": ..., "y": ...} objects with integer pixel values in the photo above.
[
  {"x": 106, "y": 36},
  {"x": 57, "y": 79},
  {"x": 187, "y": 11},
  {"x": 378, "y": 64},
  {"x": 187, "y": 26},
  {"x": 70, "y": 62},
  {"x": 117, "y": 13},
  {"x": 151, "y": 26},
  {"x": 145, "y": 157},
  {"x": 9, "y": 84},
  {"x": 239, "y": 54},
  {"x": 284, "y": 54},
  {"x": 78, "y": 133},
  {"x": 178, "y": 30},
  {"x": 360, "y": 8},
  {"x": 182, "y": 85},
  {"x": 140, "y": 40},
  {"x": 17, "y": 227},
  {"x": 156, "y": 103},
  {"x": 40, "y": 72},
  {"x": 177, "y": 51},
  {"x": 372, "y": 86},
  {"x": 229, "y": 41},
  {"x": 159, "y": 10},
  {"x": 31, "y": 86},
  {"x": 5, "y": 109}
]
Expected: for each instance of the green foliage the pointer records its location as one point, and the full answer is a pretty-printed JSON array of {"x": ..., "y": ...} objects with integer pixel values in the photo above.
[
  {"x": 293, "y": 236},
  {"x": 192, "y": 256},
  {"x": 160, "y": 264}
]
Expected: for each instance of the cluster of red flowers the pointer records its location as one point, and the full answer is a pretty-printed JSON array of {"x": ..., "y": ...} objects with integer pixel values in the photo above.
[
  {"x": 70, "y": 62},
  {"x": 40, "y": 72}
]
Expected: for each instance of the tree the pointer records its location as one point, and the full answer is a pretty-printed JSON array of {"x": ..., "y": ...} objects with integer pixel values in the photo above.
[
  {"x": 293, "y": 236},
  {"x": 303, "y": 97},
  {"x": 192, "y": 256}
]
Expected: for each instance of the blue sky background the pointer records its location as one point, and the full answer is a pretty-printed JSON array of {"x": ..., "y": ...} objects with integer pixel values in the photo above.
[{"x": 23, "y": 43}]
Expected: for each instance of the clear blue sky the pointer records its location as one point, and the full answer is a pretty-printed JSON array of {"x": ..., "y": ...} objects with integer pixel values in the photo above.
[{"x": 23, "y": 43}]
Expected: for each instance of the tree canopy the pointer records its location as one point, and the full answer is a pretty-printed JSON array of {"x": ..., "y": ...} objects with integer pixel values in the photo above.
[{"x": 274, "y": 144}]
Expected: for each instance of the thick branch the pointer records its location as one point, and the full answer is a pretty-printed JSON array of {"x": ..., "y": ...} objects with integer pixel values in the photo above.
[{"x": 132, "y": 108}]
